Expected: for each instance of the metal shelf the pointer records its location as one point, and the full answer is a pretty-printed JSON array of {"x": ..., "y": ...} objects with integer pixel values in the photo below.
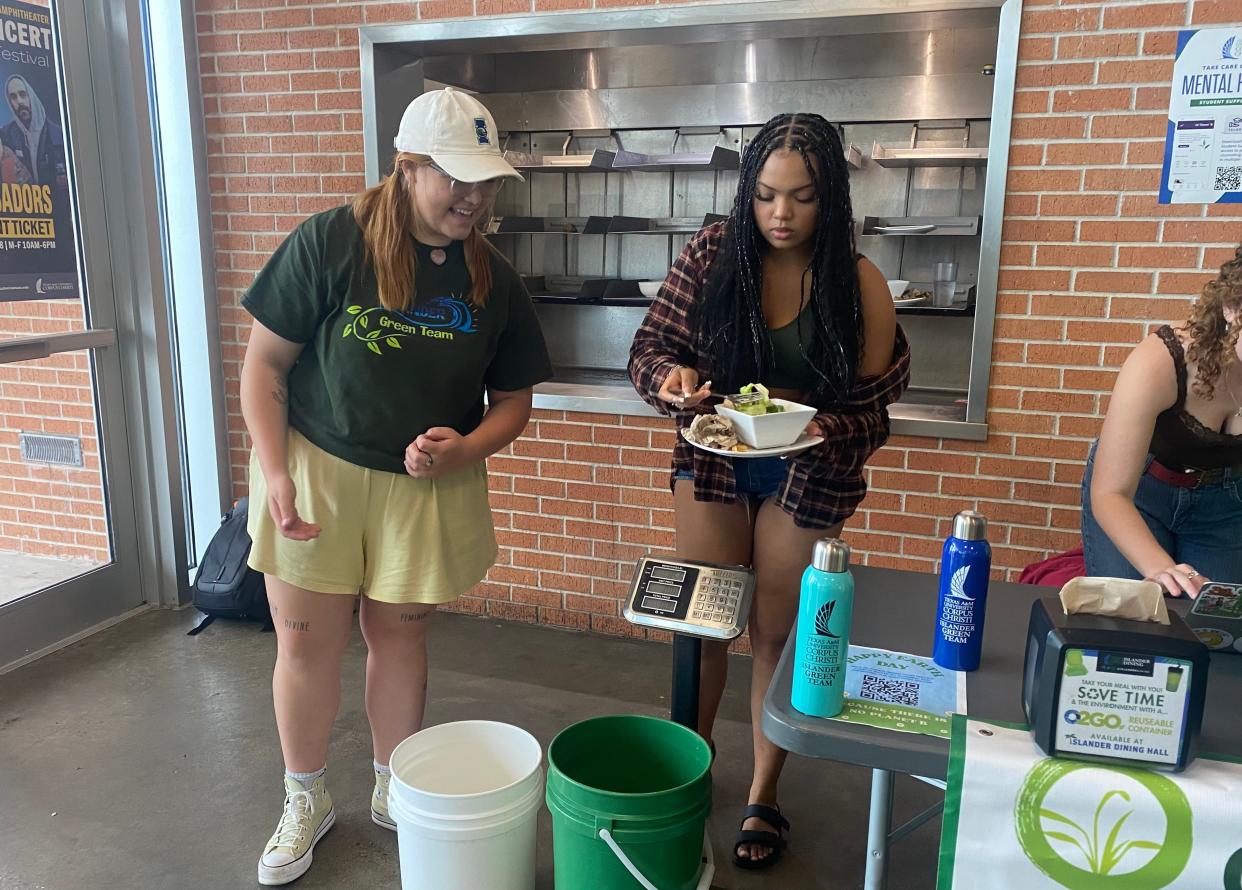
[
  {"x": 601, "y": 161},
  {"x": 929, "y": 157},
  {"x": 965, "y": 308},
  {"x": 674, "y": 225},
  {"x": 598, "y": 161},
  {"x": 959, "y": 311},
  {"x": 921, "y": 226},
  {"x": 719, "y": 158},
  {"x": 571, "y": 289},
  {"x": 545, "y": 225},
  {"x": 600, "y": 225}
]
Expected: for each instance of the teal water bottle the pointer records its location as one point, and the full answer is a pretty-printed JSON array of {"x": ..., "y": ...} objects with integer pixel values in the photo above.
[{"x": 825, "y": 611}]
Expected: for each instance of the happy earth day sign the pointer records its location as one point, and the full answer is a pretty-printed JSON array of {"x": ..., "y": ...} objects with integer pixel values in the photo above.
[
  {"x": 904, "y": 693},
  {"x": 1203, "y": 142},
  {"x": 38, "y": 255}
]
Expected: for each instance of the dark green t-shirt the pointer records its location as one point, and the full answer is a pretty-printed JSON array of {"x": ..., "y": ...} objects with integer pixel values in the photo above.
[{"x": 369, "y": 381}]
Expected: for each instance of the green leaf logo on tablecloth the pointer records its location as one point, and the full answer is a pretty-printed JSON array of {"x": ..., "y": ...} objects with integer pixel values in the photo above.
[{"x": 1101, "y": 847}]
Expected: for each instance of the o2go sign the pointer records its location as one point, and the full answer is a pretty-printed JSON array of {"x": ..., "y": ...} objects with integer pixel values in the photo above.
[{"x": 1097, "y": 719}]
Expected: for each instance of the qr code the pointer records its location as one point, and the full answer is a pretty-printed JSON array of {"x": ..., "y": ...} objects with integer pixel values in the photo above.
[
  {"x": 1228, "y": 179},
  {"x": 893, "y": 692}
]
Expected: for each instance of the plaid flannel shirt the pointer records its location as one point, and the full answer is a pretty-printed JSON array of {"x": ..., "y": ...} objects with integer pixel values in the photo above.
[{"x": 823, "y": 485}]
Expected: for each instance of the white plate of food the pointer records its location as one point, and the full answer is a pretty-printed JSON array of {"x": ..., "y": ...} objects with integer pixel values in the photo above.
[
  {"x": 802, "y": 444},
  {"x": 909, "y": 301}
]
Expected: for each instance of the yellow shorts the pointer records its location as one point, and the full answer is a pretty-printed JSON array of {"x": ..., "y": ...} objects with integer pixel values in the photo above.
[{"x": 390, "y": 536}]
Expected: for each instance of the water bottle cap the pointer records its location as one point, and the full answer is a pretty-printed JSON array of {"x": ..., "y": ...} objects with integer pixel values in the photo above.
[
  {"x": 831, "y": 555},
  {"x": 970, "y": 526}
]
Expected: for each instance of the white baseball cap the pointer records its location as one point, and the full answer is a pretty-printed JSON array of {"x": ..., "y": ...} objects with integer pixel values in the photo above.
[{"x": 457, "y": 132}]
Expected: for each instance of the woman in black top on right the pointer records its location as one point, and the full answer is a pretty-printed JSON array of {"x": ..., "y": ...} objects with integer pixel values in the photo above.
[{"x": 1161, "y": 498}]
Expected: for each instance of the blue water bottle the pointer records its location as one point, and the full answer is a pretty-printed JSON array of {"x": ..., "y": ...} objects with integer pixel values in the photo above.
[
  {"x": 825, "y": 611},
  {"x": 964, "y": 571}
]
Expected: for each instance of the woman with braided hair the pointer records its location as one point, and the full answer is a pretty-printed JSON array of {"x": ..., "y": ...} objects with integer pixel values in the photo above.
[
  {"x": 1162, "y": 494},
  {"x": 775, "y": 294}
]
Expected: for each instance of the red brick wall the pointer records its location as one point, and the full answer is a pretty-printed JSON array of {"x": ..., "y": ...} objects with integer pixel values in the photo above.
[
  {"x": 48, "y": 510},
  {"x": 1089, "y": 261},
  {"x": 45, "y": 510}
]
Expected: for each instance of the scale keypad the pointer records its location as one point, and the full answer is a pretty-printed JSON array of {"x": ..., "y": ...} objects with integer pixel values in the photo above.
[{"x": 716, "y": 599}]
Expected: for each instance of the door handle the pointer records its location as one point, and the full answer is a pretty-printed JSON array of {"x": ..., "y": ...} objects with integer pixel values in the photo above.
[{"x": 27, "y": 349}]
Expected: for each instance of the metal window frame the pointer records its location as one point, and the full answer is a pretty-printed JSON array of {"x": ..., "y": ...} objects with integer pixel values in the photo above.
[{"x": 180, "y": 124}]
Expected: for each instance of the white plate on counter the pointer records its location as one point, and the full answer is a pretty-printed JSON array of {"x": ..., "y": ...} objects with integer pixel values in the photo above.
[
  {"x": 909, "y": 301},
  {"x": 802, "y": 444}
]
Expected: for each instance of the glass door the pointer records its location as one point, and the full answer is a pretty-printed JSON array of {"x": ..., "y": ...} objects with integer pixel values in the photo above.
[{"x": 81, "y": 345}]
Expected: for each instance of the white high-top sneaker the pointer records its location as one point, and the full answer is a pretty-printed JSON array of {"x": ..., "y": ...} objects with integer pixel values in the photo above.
[
  {"x": 379, "y": 802},
  {"x": 307, "y": 817}
]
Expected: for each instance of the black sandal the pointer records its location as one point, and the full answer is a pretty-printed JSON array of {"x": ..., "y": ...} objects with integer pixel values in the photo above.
[{"x": 770, "y": 839}]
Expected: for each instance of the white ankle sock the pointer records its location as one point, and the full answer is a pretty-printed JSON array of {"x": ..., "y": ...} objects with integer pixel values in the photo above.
[
  {"x": 380, "y": 769},
  {"x": 306, "y": 779}
]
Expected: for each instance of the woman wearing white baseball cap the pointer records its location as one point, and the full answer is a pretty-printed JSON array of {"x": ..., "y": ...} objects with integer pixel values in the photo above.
[{"x": 378, "y": 328}]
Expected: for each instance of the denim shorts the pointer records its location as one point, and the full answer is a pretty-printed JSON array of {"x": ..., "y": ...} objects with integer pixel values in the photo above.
[
  {"x": 1198, "y": 526},
  {"x": 760, "y": 477}
]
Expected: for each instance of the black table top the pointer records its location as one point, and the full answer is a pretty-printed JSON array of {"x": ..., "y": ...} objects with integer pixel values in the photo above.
[{"x": 896, "y": 610}]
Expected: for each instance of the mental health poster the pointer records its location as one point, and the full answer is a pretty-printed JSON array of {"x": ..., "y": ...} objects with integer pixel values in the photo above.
[
  {"x": 1203, "y": 143},
  {"x": 38, "y": 256}
]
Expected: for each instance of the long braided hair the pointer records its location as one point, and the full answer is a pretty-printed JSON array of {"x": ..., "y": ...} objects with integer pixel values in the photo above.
[{"x": 731, "y": 329}]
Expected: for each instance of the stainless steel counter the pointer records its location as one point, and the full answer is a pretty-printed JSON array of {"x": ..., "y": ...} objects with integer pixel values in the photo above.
[{"x": 931, "y": 413}]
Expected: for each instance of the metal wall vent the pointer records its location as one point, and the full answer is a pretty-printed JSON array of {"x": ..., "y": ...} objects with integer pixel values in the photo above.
[{"x": 38, "y": 448}]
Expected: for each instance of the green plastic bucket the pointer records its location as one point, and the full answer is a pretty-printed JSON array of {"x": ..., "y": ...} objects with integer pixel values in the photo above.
[{"x": 629, "y": 797}]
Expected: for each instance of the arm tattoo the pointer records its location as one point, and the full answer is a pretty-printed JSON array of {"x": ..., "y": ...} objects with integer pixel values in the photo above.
[{"x": 281, "y": 393}]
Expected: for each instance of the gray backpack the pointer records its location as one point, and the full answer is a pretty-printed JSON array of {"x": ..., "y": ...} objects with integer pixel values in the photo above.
[{"x": 225, "y": 587}]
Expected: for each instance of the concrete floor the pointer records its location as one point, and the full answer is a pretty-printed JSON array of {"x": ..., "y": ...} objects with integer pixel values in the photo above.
[
  {"x": 24, "y": 574},
  {"x": 141, "y": 757}
]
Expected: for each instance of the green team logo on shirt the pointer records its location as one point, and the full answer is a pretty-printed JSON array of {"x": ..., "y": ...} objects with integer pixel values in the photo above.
[{"x": 440, "y": 319}]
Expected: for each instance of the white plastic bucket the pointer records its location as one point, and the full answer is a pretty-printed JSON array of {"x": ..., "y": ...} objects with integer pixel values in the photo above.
[{"x": 465, "y": 797}]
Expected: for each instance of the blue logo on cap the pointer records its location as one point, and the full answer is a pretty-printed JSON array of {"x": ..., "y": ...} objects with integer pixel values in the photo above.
[{"x": 480, "y": 130}]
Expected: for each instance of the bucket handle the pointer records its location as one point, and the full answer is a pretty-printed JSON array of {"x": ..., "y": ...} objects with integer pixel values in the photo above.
[{"x": 705, "y": 878}]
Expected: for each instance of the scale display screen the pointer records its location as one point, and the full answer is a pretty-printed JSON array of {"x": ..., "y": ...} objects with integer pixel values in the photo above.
[
  {"x": 665, "y": 573},
  {"x": 662, "y": 589}
]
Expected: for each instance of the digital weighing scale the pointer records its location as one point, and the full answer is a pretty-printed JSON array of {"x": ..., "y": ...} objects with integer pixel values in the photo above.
[{"x": 694, "y": 601}]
